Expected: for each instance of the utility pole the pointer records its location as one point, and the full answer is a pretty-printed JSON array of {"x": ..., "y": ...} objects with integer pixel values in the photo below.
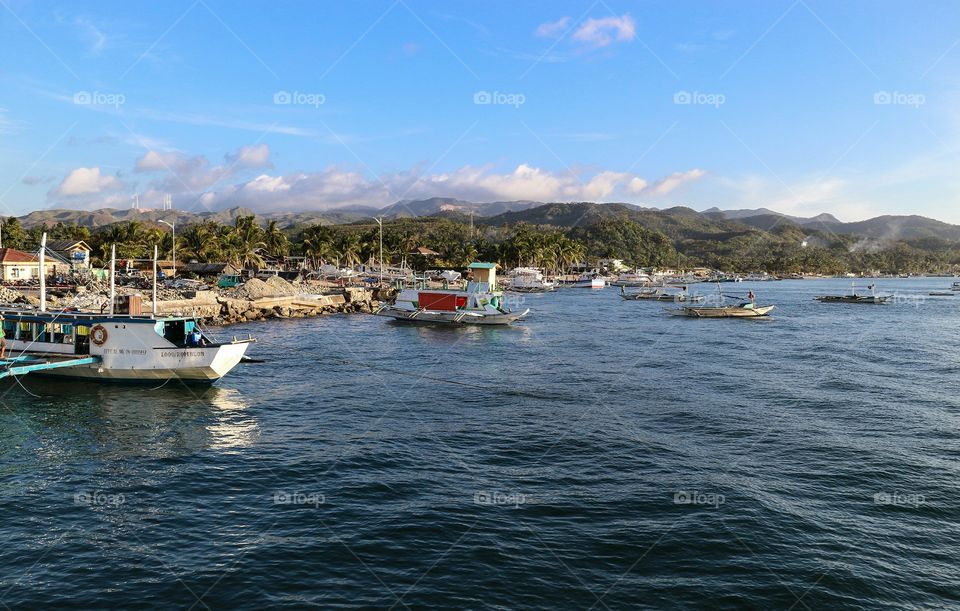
[{"x": 379, "y": 221}]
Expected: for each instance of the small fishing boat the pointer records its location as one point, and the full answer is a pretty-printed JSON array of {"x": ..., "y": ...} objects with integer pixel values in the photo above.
[
  {"x": 480, "y": 304},
  {"x": 955, "y": 287},
  {"x": 632, "y": 279},
  {"x": 529, "y": 280},
  {"x": 744, "y": 309},
  {"x": 659, "y": 294},
  {"x": 941, "y": 294},
  {"x": 589, "y": 281},
  {"x": 854, "y": 297}
]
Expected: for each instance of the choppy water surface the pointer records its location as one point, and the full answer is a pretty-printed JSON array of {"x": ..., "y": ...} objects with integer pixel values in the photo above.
[{"x": 600, "y": 455}]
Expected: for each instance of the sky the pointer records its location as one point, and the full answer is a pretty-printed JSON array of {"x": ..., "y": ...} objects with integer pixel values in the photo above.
[{"x": 802, "y": 106}]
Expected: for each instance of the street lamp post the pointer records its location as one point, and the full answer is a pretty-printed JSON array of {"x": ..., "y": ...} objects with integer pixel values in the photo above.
[
  {"x": 379, "y": 221},
  {"x": 173, "y": 230}
]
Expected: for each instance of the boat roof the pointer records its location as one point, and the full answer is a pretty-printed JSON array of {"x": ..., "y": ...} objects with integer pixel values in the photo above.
[{"x": 83, "y": 318}]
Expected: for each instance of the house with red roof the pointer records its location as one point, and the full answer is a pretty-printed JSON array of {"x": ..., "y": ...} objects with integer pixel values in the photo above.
[{"x": 18, "y": 265}]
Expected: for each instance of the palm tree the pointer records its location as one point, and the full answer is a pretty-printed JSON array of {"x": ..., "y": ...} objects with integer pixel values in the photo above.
[
  {"x": 350, "y": 247},
  {"x": 277, "y": 243}
]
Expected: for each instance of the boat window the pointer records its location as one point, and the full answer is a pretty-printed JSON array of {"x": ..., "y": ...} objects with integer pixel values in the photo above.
[
  {"x": 174, "y": 331},
  {"x": 9, "y": 329},
  {"x": 25, "y": 331},
  {"x": 82, "y": 341},
  {"x": 57, "y": 333}
]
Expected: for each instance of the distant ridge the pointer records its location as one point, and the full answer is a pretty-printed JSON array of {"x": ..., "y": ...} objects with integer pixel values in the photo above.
[{"x": 709, "y": 224}]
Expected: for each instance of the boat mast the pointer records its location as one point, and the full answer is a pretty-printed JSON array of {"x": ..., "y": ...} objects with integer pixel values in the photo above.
[
  {"x": 43, "y": 275},
  {"x": 154, "y": 280},
  {"x": 113, "y": 263}
]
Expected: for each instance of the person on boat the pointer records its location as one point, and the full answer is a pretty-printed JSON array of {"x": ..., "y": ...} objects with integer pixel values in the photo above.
[
  {"x": 194, "y": 338},
  {"x": 751, "y": 300},
  {"x": 3, "y": 340}
]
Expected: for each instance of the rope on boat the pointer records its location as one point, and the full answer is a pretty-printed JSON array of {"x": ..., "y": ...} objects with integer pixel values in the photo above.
[{"x": 485, "y": 388}]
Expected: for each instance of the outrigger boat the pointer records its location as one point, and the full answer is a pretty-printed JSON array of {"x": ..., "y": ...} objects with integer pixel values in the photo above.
[
  {"x": 128, "y": 347},
  {"x": 745, "y": 309},
  {"x": 480, "y": 304},
  {"x": 632, "y": 279},
  {"x": 853, "y": 297},
  {"x": 660, "y": 294}
]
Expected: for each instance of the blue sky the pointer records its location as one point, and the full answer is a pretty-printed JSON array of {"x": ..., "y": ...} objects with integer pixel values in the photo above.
[{"x": 803, "y": 107}]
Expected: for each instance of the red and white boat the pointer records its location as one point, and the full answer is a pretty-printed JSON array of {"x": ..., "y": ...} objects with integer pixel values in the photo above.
[{"x": 480, "y": 304}]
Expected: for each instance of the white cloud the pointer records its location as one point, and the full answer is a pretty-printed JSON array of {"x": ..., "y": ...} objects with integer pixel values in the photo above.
[
  {"x": 182, "y": 173},
  {"x": 552, "y": 29},
  {"x": 607, "y": 30},
  {"x": 668, "y": 183},
  {"x": 86, "y": 181},
  {"x": 335, "y": 187},
  {"x": 254, "y": 156}
]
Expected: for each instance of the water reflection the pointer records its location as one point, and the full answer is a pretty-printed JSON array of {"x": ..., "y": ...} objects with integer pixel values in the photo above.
[{"x": 55, "y": 421}]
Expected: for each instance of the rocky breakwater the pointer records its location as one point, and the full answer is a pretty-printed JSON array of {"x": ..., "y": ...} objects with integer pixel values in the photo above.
[{"x": 276, "y": 298}]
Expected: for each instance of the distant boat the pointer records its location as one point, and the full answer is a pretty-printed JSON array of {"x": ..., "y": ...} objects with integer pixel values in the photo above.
[
  {"x": 941, "y": 294},
  {"x": 744, "y": 309},
  {"x": 955, "y": 287},
  {"x": 738, "y": 311},
  {"x": 659, "y": 294},
  {"x": 853, "y": 297},
  {"x": 529, "y": 280},
  {"x": 631, "y": 279},
  {"x": 587, "y": 281}
]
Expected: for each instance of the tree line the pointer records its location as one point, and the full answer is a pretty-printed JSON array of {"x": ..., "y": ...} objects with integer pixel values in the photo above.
[{"x": 248, "y": 243}]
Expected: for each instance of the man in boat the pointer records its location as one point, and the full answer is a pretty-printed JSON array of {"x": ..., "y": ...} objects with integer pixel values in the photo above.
[
  {"x": 3, "y": 340},
  {"x": 751, "y": 300}
]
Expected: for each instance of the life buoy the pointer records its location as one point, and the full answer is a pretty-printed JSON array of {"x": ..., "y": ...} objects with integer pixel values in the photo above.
[{"x": 98, "y": 335}]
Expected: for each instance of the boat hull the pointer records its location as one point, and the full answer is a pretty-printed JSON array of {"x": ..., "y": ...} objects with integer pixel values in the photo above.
[
  {"x": 866, "y": 299},
  {"x": 203, "y": 365},
  {"x": 456, "y": 318},
  {"x": 722, "y": 312}
]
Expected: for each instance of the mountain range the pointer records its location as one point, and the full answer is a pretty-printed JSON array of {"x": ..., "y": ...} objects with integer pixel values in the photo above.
[{"x": 712, "y": 223}]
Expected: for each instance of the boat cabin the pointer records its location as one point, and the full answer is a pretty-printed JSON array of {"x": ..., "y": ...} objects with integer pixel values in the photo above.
[{"x": 484, "y": 278}]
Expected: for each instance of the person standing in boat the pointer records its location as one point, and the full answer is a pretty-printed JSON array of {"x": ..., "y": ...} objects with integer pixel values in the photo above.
[
  {"x": 751, "y": 300},
  {"x": 3, "y": 339}
]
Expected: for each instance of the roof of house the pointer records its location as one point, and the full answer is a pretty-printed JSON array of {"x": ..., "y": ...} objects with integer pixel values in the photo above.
[
  {"x": 66, "y": 244},
  {"x": 423, "y": 250},
  {"x": 12, "y": 255},
  {"x": 482, "y": 266}
]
